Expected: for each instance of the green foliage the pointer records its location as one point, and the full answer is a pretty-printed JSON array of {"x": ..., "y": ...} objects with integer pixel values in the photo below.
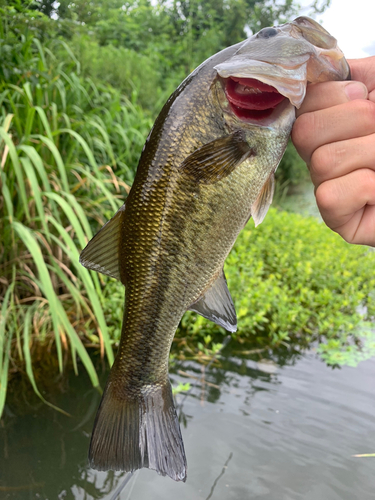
[
  {"x": 122, "y": 68},
  {"x": 350, "y": 349},
  {"x": 176, "y": 35},
  {"x": 264, "y": 12},
  {"x": 144, "y": 50},
  {"x": 180, "y": 387},
  {"x": 61, "y": 141},
  {"x": 293, "y": 281}
]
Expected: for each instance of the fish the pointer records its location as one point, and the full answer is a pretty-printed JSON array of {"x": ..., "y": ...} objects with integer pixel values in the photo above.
[{"x": 206, "y": 168}]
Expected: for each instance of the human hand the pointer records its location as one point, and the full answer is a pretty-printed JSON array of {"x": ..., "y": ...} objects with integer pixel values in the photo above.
[{"x": 335, "y": 135}]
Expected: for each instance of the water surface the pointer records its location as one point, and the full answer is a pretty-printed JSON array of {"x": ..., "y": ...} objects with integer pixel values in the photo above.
[{"x": 257, "y": 431}]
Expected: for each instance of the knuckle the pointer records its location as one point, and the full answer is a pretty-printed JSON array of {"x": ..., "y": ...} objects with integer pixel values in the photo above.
[
  {"x": 368, "y": 180},
  {"x": 366, "y": 110},
  {"x": 302, "y": 129},
  {"x": 322, "y": 160},
  {"x": 326, "y": 197}
]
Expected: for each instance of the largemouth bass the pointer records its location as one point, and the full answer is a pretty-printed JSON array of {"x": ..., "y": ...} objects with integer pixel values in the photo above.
[{"x": 207, "y": 166}]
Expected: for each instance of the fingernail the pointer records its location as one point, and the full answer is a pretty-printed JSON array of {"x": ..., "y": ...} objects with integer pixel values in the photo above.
[{"x": 356, "y": 90}]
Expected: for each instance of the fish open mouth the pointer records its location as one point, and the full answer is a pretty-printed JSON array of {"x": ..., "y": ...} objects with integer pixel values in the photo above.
[{"x": 251, "y": 99}]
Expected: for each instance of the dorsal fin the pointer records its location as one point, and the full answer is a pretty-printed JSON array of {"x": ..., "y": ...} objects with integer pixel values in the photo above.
[
  {"x": 217, "y": 305},
  {"x": 261, "y": 205},
  {"x": 102, "y": 252}
]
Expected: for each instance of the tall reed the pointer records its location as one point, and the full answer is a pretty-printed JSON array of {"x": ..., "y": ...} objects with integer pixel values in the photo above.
[{"x": 68, "y": 151}]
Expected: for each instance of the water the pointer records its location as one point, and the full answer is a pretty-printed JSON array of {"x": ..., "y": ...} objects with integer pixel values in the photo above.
[{"x": 257, "y": 431}]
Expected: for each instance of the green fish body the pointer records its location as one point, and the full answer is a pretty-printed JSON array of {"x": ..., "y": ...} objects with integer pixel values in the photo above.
[{"x": 207, "y": 167}]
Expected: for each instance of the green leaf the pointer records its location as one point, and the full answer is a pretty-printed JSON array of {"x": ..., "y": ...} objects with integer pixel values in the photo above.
[
  {"x": 5, "y": 346},
  {"x": 29, "y": 368},
  {"x": 84, "y": 146},
  {"x": 30, "y": 175},
  {"x": 57, "y": 156},
  {"x": 28, "y": 238},
  {"x": 17, "y": 169},
  {"x": 59, "y": 317}
]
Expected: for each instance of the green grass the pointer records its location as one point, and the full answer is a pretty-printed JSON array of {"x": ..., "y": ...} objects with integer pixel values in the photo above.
[{"x": 68, "y": 150}]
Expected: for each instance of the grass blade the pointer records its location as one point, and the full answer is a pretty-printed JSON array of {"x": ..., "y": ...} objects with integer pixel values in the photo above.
[
  {"x": 29, "y": 366},
  {"x": 93, "y": 297},
  {"x": 59, "y": 318},
  {"x": 30, "y": 174},
  {"x": 59, "y": 161},
  {"x": 44, "y": 120},
  {"x": 4, "y": 349},
  {"x": 84, "y": 146},
  {"x": 32, "y": 245},
  {"x": 38, "y": 164},
  {"x": 17, "y": 169}
]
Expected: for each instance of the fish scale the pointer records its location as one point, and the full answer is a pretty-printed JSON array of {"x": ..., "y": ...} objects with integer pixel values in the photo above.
[{"x": 206, "y": 168}]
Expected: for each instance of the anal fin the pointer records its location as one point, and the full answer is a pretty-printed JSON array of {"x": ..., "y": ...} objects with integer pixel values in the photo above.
[{"x": 217, "y": 305}]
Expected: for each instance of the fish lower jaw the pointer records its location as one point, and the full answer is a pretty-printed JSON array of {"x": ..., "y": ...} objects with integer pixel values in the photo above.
[
  {"x": 264, "y": 118},
  {"x": 252, "y": 116}
]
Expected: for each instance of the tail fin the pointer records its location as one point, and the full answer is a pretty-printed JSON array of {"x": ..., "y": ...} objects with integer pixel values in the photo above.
[{"x": 132, "y": 431}]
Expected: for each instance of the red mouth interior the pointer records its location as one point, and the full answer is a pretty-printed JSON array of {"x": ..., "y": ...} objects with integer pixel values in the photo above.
[{"x": 251, "y": 99}]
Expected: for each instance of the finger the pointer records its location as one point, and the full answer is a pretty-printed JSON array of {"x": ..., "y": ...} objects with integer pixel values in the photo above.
[
  {"x": 347, "y": 205},
  {"x": 340, "y": 158},
  {"x": 328, "y": 94},
  {"x": 339, "y": 123}
]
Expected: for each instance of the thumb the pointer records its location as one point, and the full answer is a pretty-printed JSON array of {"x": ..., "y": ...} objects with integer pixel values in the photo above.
[{"x": 363, "y": 70}]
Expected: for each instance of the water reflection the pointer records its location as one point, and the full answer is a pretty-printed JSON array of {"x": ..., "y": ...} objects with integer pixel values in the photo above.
[{"x": 252, "y": 429}]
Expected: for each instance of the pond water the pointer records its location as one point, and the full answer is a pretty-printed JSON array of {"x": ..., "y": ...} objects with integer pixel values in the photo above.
[{"x": 252, "y": 430}]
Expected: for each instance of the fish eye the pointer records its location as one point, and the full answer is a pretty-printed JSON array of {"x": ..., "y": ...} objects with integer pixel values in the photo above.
[{"x": 267, "y": 33}]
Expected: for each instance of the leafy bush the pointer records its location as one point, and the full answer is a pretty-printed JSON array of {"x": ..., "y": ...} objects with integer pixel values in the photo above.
[
  {"x": 291, "y": 171},
  {"x": 293, "y": 281},
  {"x": 122, "y": 68}
]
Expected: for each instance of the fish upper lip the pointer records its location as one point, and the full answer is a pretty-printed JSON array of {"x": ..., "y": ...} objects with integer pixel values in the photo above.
[{"x": 288, "y": 80}]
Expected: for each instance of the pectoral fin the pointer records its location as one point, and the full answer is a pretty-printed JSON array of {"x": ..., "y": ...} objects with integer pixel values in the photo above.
[
  {"x": 261, "y": 205},
  {"x": 102, "y": 252},
  {"x": 217, "y": 305},
  {"x": 217, "y": 159}
]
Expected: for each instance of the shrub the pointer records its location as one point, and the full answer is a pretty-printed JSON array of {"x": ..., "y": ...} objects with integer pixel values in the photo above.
[{"x": 294, "y": 281}]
